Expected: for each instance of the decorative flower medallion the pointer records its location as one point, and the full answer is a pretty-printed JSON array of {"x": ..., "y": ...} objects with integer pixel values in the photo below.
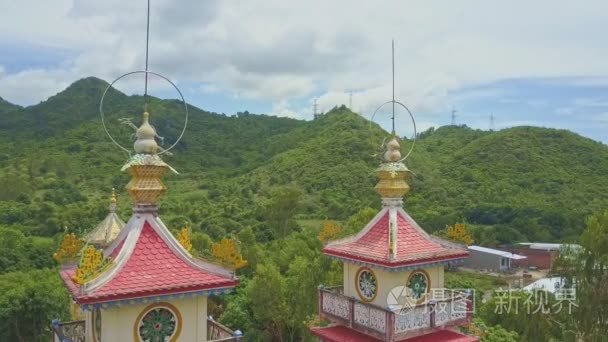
[
  {"x": 366, "y": 284},
  {"x": 159, "y": 323},
  {"x": 418, "y": 284}
]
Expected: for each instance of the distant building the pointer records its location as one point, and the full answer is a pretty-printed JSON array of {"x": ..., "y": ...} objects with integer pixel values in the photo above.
[
  {"x": 551, "y": 285},
  {"x": 491, "y": 259},
  {"x": 540, "y": 255}
]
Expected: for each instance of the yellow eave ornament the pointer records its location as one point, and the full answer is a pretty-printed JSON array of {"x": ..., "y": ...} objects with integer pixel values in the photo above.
[
  {"x": 184, "y": 238},
  {"x": 92, "y": 263},
  {"x": 68, "y": 249}
]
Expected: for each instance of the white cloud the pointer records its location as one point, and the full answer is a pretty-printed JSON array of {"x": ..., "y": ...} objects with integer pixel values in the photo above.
[
  {"x": 282, "y": 108},
  {"x": 279, "y": 51}
]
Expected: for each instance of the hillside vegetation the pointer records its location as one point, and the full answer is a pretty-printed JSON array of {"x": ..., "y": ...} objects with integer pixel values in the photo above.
[
  {"x": 271, "y": 183},
  {"x": 57, "y": 168}
]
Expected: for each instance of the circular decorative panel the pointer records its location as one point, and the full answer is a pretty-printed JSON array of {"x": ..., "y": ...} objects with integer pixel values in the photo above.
[
  {"x": 366, "y": 284},
  {"x": 418, "y": 284},
  {"x": 158, "y": 323}
]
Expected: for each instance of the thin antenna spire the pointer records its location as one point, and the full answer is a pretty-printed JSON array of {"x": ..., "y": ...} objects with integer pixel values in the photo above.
[
  {"x": 491, "y": 121},
  {"x": 393, "y": 55},
  {"x": 147, "y": 45},
  {"x": 454, "y": 111},
  {"x": 350, "y": 100}
]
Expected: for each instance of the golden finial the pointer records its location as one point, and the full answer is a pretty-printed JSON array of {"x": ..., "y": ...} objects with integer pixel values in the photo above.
[
  {"x": 146, "y": 167},
  {"x": 113, "y": 201},
  {"x": 393, "y": 150},
  {"x": 392, "y": 172},
  {"x": 146, "y": 137}
]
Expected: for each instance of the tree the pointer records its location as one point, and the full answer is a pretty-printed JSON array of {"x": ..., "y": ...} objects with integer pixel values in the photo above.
[
  {"x": 266, "y": 291},
  {"x": 330, "y": 231},
  {"x": 586, "y": 269},
  {"x": 457, "y": 233},
  {"x": 460, "y": 233},
  {"x": 201, "y": 243},
  {"x": 358, "y": 221},
  {"x": 284, "y": 204},
  {"x": 227, "y": 252},
  {"x": 494, "y": 333},
  {"x": 14, "y": 249},
  {"x": 301, "y": 294},
  {"x": 29, "y": 301}
]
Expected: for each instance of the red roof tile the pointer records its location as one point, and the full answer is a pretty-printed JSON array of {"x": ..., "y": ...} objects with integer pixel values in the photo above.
[
  {"x": 152, "y": 269},
  {"x": 341, "y": 333},
  {"x": 444, "y": 336},
  {"x": 414, "y": 246}
]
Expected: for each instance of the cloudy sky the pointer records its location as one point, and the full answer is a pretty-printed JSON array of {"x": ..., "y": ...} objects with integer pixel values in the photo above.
[{"x": 542, "y": 63}]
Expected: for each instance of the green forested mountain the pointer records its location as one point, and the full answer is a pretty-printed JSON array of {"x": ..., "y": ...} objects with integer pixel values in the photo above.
[
  {"x": 267, "y": 182},
  {"x": 57, "y": 168}
]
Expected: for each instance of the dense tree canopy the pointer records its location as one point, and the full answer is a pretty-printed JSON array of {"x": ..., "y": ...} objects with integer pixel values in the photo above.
[{"x": 268, "y": 183}]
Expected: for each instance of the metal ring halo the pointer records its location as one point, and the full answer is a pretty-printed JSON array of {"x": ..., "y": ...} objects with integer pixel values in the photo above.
[
  {"x": 411, "y": 116},
  {"x": 103, "y": 121}
]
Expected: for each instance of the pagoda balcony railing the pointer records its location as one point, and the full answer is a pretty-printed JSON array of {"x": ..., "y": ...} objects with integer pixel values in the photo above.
[
  {"x": 73, "y": 331},
  {"x": 217, "y": 332},
  {"x": 454, "y": 308}
]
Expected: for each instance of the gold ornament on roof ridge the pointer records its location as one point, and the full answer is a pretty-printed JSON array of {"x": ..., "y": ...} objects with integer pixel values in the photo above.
[
  {"x": 92, "y": 263},
  {"x": 68, "y": 249},
  {"x": 184, "y": 238},
  {"x": 113, "y": 196}
]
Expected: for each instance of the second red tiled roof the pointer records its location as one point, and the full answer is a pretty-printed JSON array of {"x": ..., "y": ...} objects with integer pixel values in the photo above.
[{"x": 413, "y": 245}]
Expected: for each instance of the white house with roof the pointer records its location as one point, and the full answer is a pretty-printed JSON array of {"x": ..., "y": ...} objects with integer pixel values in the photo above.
[{"x": 490, "y": 259}]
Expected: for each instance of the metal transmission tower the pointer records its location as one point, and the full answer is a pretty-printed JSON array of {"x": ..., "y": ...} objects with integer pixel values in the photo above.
[
  {"x": 350, "y": 101},
  {"x": 315, "y": 114},
  {"x": 454, "y": 111},
  {"x": 492, "y": 122}
]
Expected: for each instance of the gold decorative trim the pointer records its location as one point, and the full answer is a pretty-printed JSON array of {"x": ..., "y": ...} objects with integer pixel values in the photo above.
[
  {"x": 428, "y": 286},
  {"x": 363, "y": 298},
  {"x": 164, "y": 305}
]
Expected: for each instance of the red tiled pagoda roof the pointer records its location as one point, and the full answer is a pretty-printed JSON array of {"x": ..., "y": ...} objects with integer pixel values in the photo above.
[
  {"x": 414, "y": 246},
  {"x": 341, "y": 333},
  {"x": 152, "y": 269}
]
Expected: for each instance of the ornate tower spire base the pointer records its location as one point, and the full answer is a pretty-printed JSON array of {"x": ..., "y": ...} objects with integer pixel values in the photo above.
[
  {"x": 146, "y": 169},
  {"x": 393, "y": 175},
  {"x": 146, "y": 186}
]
